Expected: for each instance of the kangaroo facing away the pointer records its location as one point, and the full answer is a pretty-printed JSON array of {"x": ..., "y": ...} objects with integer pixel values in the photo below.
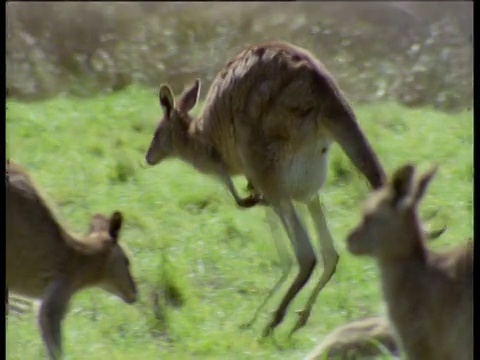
[
  {"x": 45, "y": 261},
  {"x": 429, "y": 295},
  {"x": 271, "y": 115}
]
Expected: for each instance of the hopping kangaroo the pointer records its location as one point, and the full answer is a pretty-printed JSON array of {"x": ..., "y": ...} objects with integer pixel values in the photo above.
[
  {"x": 271, "y": 115},
  {"x": 46, "y": 262},
  {"x": 429, "y": 295}
]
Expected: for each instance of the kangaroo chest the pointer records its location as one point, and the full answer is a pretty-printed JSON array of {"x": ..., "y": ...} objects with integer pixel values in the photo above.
[{"x": 304, "y": 171}]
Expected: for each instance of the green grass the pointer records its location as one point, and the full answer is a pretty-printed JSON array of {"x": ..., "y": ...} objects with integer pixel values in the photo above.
[{"x": 211, "y": 263}]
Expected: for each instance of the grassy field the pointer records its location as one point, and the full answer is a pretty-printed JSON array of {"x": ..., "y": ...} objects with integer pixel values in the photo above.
[{"x": 210, "y": 263}]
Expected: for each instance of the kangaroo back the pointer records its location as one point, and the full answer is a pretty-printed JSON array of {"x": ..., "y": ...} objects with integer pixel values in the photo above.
[
  {"x": 278, "y": 91},
  {"x": 33, "y": 237}
]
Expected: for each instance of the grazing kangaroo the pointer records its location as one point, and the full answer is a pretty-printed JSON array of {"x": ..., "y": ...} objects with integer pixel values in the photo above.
[
  {"x": 429, "y": 295},
  {"x": 358, "y": 339},
  {"x": 45, "y": 261},
  {"x": 271, "y": 114}
]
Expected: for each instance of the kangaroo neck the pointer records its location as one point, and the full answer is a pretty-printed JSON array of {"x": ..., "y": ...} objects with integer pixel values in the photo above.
[{"x": 196, "y": 149}]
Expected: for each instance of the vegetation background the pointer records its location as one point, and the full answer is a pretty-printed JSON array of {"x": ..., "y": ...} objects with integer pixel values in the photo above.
[{"x": 81, "y": 85}]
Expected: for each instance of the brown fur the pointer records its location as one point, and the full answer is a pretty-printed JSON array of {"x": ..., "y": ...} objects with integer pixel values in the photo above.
[
  {"x": 271, "y": 115},
  {"x": 429, "y": 295},
  {"x": 46, "y": 262},
  {"x": 360, "y": 339}
]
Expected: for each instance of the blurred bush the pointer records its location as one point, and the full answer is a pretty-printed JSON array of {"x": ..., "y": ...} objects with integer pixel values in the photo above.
[{"x": 412, "y": 54}]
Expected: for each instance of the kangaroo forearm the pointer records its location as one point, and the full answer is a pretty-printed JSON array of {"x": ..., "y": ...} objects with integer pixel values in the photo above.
[
  {"x": 52, "y": 311},
  {"x": 247, "y": 202},
  {"x": 50, "y": 327}
]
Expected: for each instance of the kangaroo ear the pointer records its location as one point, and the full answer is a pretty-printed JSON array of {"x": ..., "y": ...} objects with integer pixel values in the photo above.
[
  {"x": 189, "y": 98},
  {"x": 423, "y": 182},
  {"x": 167, "y": 101},
  {"x": 115, "y": 225},
  {"x": 401, "y": 184}
]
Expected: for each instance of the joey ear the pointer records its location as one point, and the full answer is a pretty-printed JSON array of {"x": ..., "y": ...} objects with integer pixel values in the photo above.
[
  {"x": 115, "y": 225},
  {"x": 423, "y": 182},
  {"x": 189, "y": 97},
  {"x": 401, "y": 184},
  {"x": 167, "y": 101}
]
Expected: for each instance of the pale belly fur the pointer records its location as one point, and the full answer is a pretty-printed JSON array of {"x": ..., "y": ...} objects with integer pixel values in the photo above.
[{"x": 304, "y": 172}]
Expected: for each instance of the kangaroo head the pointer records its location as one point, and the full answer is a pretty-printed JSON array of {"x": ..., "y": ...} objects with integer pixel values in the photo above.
[
  {"x": 390, "y": 226},
  {"x": 173, "y": 127},
  {"x": 115, "y": 276}
]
